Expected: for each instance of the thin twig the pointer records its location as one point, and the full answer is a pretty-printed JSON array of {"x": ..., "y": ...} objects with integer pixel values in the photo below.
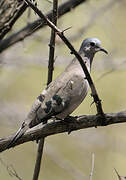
[
  {"x": 119, "y": 177},
  {"x": 38, "y": 159},
  {"x": 52, "y": 42},
  {"x": 92, "y": 166},
  {"x": 11, "y": 170},
  {"x": 69, "y": 45},
  {"x": 50, "y": 75}
]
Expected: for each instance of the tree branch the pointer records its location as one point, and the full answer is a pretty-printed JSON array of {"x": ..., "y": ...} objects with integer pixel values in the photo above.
[
  {"x": 10, "y": 11},
  {"x": 72, "y": 123},
  {"x": 50, "y": 75},
  {"x": 36, "y": 25},
  {"x": 38, "y": 159},
  {"x": 52, "y": 43}
]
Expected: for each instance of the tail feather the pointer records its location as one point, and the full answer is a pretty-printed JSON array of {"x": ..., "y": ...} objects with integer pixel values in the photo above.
[{"x": 18, "y": 135}]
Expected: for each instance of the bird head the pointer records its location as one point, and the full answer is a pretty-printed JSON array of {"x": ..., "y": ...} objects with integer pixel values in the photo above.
[{"x": 90, "y": 46}]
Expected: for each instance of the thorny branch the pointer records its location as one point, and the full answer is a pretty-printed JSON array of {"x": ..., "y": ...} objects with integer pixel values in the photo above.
[
  {"x": 52, "y": 42},
  {"x": 38, "y": 159},
  {"x": 73, "y": 124},
  {"x": 50, "y": 75}
]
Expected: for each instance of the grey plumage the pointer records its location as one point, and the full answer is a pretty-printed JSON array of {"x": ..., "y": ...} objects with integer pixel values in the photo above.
[{"x": 63, "y": 95}]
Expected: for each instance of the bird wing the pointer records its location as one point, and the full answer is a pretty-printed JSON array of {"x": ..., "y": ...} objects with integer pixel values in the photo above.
[{"x": 60, "y": 95}]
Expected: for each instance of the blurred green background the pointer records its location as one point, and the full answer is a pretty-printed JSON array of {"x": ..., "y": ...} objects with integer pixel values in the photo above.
[{"x": 23, "y": 75}]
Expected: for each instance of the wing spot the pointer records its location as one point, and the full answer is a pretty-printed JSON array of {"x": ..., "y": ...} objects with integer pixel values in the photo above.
[
  {"x": 58, "y": 99},
  {"x": 48, "y": 106}
]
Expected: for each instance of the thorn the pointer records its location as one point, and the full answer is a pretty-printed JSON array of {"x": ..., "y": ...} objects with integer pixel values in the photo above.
[
  {"x": 66, "y": 29},
  {"x": 25, "y": 2},
  {"x": 50, "y": 45}
]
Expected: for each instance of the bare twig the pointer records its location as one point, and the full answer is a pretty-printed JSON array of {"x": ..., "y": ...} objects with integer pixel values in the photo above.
[
  {"x": 69, "y": 45},
  {"x": 38, "y": 159},
  {"x": 119, "y": 177},
  {"x": 11, "y": 170},
  {"x": 73, "y": 124},
  {"x": 36, "y": 25},
  {"x": 50, "y": 75},
  {"x": 52, "y": 42},
  {"x": 92, "y": 167}
]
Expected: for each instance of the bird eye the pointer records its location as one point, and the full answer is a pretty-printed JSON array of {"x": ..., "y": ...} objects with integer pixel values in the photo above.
[{"x": 92, "y": 44}]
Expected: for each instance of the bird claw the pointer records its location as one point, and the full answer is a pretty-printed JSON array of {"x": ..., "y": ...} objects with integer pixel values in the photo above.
[
  {"x": 67, "y": 121},
  {"x": 101, "y": 120},
  {"x": 69, "y": 131}
]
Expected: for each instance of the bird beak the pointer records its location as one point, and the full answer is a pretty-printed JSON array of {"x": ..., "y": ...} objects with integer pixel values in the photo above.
[{"x": 102, "y": 49}]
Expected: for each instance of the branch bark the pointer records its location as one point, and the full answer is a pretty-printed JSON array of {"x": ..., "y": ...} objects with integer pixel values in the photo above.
[
  {"x": 38, "y": 159},
  {"x": 10, "y": 11},
  {"x": 52, "y": 43},
  {"x": 36, "y": 25},
  {"x": 72, "y": 123}
]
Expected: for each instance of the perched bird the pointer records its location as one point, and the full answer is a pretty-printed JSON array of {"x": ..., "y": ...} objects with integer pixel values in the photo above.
[{"x": 63, "y": 95}]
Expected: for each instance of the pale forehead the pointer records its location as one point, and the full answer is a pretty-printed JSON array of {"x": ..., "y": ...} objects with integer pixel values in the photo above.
[{"x": 89, "y": 40}]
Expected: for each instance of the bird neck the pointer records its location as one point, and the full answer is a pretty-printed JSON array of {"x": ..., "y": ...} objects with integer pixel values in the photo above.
[
  {"x": 76, "y": 65},
  {"x": 87, "y": 56}
]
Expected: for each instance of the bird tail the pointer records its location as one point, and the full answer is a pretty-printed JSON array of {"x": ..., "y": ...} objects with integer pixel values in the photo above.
[{"x": 18, "y": 135}]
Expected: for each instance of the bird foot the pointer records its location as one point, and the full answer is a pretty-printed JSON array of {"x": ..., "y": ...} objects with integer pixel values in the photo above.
[
  {"x": 68, "y": 121},
  {"x": 101, "y": 120}
]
